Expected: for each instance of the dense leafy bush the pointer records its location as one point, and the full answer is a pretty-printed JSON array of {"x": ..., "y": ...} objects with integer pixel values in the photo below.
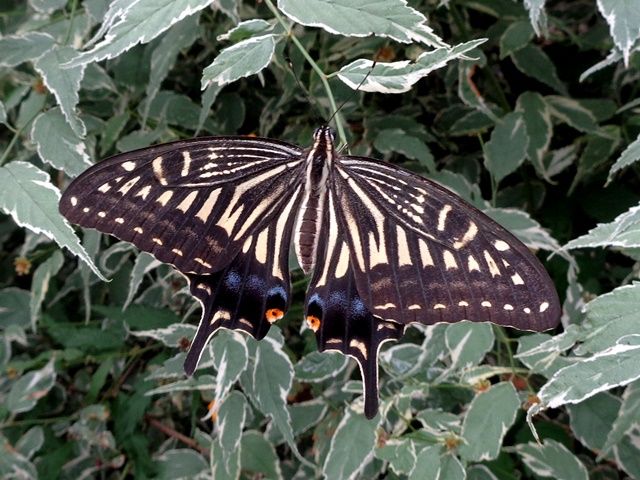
[{"x": 530, "y": 112}]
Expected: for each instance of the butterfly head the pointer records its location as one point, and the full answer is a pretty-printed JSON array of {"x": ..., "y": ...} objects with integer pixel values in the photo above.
[{"x": 324, "y": 134}]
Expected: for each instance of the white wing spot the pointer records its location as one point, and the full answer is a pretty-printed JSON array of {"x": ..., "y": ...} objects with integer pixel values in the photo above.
[
  {"x": 202, "y": 262},
  {"x": 439, "y": 306},
  {"x": 359, "y": 346},
  {"x": 208, "y": 205},
  {"x": 102, "y": 214},
  {"x": 544, "y": 306},
  {"x": 493, "y": 268},
  {"x": 472, "y": 264},
  {"x": 385, "y": 306},
  {"x": 205, "y": 287},
  {"x": 425, "y": 255},
  {"x": 186, "y": 164},
  {"x": 127, "y": 186},
  {"x": 334, "y": 341},
  {"x": 468, "y": 236},
  {"x": 442, "y": 217},
  {"x": 119, "y": 220},
  {"x": 138, "y": 230},
  {"x": 74, "y": 201},
  {"x": 449, "y": 260},
  {"x": 526, "y": 310},
  {"x": 86, "y": 209},
  {"x": 187, "y": 202},
  {"x": 178, "y": 252},
  {"x": 104, "y": 188},
  {"x": 165, "y": 197},
  {"x": 156, "y": 240},
  {"x": 508, "y": 306},
  {"x": 462, "y": 303},
  {"x": 415, "y": 306},
  {"x": 486, "y": 304},
  {"x": 158, "y": 171},
  {"x": 129, "y": 166},
  {"x": 517, "y": 279},
  {"x": 144, "y": 191},
  {"x": 501, "y": 245}
]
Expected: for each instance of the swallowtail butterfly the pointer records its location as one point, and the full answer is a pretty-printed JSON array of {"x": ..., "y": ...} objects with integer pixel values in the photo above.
[{"x": 384, "y": 246}]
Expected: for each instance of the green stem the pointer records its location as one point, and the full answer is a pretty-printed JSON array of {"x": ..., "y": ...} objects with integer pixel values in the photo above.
[
  {"x": 73, "y": 15},
  {"x": 15, "y": 138},
  {"x": 506, "y": 341},
  {"x": 323, "y": 77}
]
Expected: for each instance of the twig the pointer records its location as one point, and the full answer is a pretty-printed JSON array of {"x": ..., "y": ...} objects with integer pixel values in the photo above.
[{"x": 170, "y": 432}]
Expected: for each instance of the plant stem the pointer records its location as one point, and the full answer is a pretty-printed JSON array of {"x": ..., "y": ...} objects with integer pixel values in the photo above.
[{"x": 323, "y": 77}]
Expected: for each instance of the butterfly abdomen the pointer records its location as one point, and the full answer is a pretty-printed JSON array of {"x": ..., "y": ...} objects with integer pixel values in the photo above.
[{"x": 318, "y": 162}]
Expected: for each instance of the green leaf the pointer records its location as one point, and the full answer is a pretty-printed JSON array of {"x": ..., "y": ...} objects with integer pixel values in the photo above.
[
  {"x": 3, "y": 114},
  {"x": 304, "y": 415},
  {"x": 163, "y": 58},
  {"x": 485, "y": 426},
  {"x": 145, "y": 262},
  {"x": 243, "y": 59},
  {"x": 397, "y": 140},
  {"x": 516, "y": 36},
  {"x": 537, "y": 120},
  {"x": 226, "y": 447},
  {"x": 507, "y": 148},
  {"x": 271, "y": 378},
  {"x": 317, "y": 367},
  {"x": 572, "y": 112},
  {"x": 64, "y": 83},
  {"x": 630, "y": 155},
  {"x": 399, "y": 77},
  {"x": 534, "y": 62},
  {"x": 613, "y": 367},
  {"x": 427, "y": 464},
  {"x": 40, "y": 283},
  {"x": 58, "y": 144},
  {"x": 537, "y": 15},
  {"x": 592, "y": 419},
  {"x": 623, "y": 232},
  {"x": 400, "y": 453},
  {"x": 626, "y": 420},
  {"x": 230, "y": 357},
  {"x": 171, "y": 336},
  {"x": 524, "y": 227},
  {"x": 352, "y": 446},
  {"x": 552, "y": 460},
  {"x": 14, "y": 308},
  {"x": 259, "y": 456},
  {"x": 29, "y": 197},
  {"x": 468, "y": 343},
  {"x": 47, "y": 6},
  {"x": 31, "y": 441},
  {"x": 246, "y": 29},
  {"x": 180, "y": 463},
  {"x": 361, "y": 18},
  {"x": 137, "y": 22},
  {"x": 29, "y": 388},
  {"x": 204, "y": 383},
  {"x": 623, "y": 17},
  {"x": 15, "y": 49}
]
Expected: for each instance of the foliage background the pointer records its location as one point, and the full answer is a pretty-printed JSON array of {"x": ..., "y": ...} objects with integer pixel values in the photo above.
[{"x": 538, "y": 126}]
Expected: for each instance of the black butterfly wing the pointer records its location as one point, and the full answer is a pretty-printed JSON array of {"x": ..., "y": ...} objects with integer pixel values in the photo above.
[
  {"x": 190, "y": 203},
  {"x": 253, "y": 290},
  {"x": 422, "y": 254},
  {"x": 341, "y": 320}
]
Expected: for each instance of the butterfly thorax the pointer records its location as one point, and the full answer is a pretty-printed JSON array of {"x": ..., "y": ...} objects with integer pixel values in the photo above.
[{"x": 319, "y": 160}]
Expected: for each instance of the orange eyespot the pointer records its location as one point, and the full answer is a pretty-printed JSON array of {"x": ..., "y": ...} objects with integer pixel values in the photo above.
[
  {"x": 273, "y": 315},
  {"x": 313, "y": 322}
]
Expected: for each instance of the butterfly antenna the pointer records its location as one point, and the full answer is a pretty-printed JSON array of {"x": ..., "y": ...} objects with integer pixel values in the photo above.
[
  {"x": 304, "y": 90},
  {"x": 353, "y": 94}
]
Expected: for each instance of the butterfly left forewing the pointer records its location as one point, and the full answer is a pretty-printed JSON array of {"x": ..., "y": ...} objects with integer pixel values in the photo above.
[
  {"x": 189, "y": 203},
  {"x": 424, "y": 255}
]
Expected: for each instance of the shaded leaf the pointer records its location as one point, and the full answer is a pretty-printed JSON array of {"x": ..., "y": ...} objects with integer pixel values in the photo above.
[
  {"x": 507, "y": 148},
  {"x": 552, "y": 460}
]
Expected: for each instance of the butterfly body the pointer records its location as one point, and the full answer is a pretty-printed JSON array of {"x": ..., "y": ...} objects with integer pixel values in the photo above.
[{"x": 384, "y": 246}]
